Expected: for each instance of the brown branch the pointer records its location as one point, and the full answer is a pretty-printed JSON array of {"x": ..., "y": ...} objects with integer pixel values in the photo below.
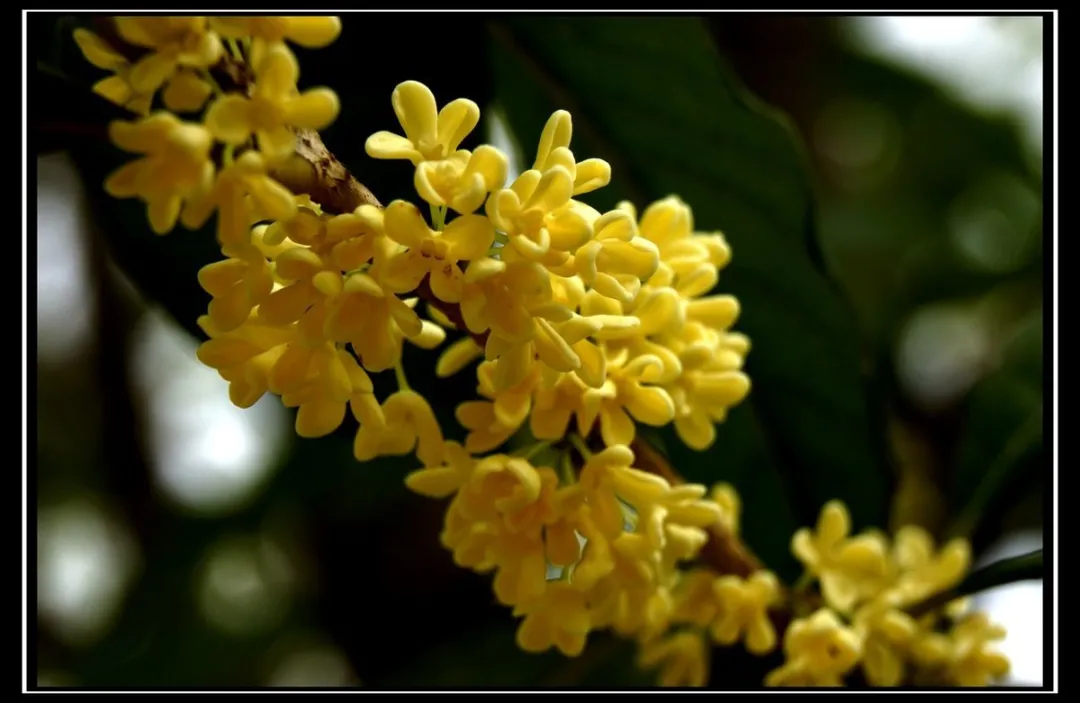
[{"x": 317, "y": 172}]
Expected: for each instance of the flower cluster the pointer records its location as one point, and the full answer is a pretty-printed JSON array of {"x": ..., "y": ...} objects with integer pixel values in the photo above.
[
  {"x": 868, "y": 588},
  {"x": 584, "y": 324}
]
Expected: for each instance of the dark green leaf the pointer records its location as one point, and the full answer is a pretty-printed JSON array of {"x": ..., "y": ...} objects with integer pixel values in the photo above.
[
  {"x": 653, "y": 97},
  {"x": 1027, "y": 567}
]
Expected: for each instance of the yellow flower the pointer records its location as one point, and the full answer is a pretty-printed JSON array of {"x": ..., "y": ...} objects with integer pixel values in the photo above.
[
  {"x": 273, "y": 108},
  {"x": 971, "y": 660},
  {"x": 849, "y": 568},
  {"x": 820, "y": 651},
  {"x": 430, "y": 253},
  {"x": 309, "y": 283},
  {"x": 462, "y": 180},
  {"x": 683, "y": 658},
  {"x": 430, "y": 134},
  {"x": 492, "y": 422},
  {"x": 244, "y": 356},
  {"x": 536, "y": 215},
  {"x": 689, "y": 262},
  {"x": 887, "y": 634},
  {"x": 409, "y": 424},
  {"x": 334, "y": 380},
  {"x": 175, "y": 164},
  {"x": 744, "y": 608},
  {"x": 629, "y": 395},
  {"x": 376, "y": 322},
  {"x": 237, "y": 285},
  {"x": 554, "y": 405},
  {"x": 239, "y": 187},
  {"x": 725, "y": 496},
  {"x": 704, "y": 391},
  {"x": 176, "y": 42},
  {"x": 922, "y": 573},
  {"x": 307, "y": 31},
  {"x": 616, "y": 261},
  {"x": 516, "y": 302},
  {"x": 557, "y": 619},
  {"x": 445, "y": 479},
  {"x": 554, "y": 150},
  {"x": 631, "y": 598},
  {"x": 604, "y": 476},
  {"x": 695, "y": 601},
  {"x": 116, "y": 88}
]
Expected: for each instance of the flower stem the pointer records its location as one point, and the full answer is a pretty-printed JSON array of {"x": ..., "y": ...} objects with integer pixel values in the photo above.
[
  {"x": 527, "y": 453},
  {"x": 566, "y": 470},
  {"x": 438, "y": 217},
  {"x": 235, "y": 49},
  {"x": 399, "y": 374},
  {"x": 580, "y": 445}
]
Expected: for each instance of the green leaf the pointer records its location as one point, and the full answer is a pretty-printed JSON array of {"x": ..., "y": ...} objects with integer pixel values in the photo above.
[
  {"x": 1026, "y": 567},
  {"x": 653, "y": 97}
]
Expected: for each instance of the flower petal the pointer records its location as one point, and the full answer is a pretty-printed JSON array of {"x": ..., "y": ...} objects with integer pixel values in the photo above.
[
  {"x": 277, "y": 72},
  {"x": 150, "y": 72},
  {"x": 313, "y": 109},
  {"x": 186, "y": 92},
  {"x": 313, "y": 32},
  {"x": 456, "y": 120},
  {"x": 553, "y": 190},
  {"x": 416, "y": 110},
  {"x": 403, "y": 223},
  {"x": 229, "y": 119},
  {"x": 98, "y": 51},
  {"x": 387, "y": 145},
  {"x": 469, "y": 237}
]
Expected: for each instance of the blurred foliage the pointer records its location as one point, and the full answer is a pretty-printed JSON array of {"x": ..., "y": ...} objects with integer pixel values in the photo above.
[{"x": 902, "y": 199}]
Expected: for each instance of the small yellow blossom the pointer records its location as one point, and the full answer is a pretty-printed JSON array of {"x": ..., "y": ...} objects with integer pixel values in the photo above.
[
  {"x": 311, "y": 32},
  {"x": 430, "y": 134},
  {"x": 409, "y": 424},
  {"x": 922, "y": 573},
  {"x": 971, "y": 660},
  {"x": 849, "y": 568},
  {"x": 683, "y": 658},
  {"x": 244, "y": 356},
  {"x": 887, "y": 635},
  {"x": 175, "y": 42},
  {"x": 433, "y": 254},
  {"x": 616, "y": 261},
  {"x": 240, "y": 187},
  {"x": 117, "y": 88},
  {"x": 820, "y": 650},
  {"x": 237, "y": 285},
  {"x": 273, "y": 109},
  {"x": 744, "y": 608},
  {"x": 462, "y": 180},
  {"x": 536, "y": 215},
  {"x": 175, "y": 164},
  {"x": 628, "y": 395},
  {"x": 558, "y": 619},
  {"x": 554, "y": 149}
]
